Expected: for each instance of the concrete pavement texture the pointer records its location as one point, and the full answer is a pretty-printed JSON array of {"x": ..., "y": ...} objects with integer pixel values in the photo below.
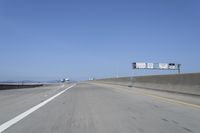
[{"x": 96, "y": 108}]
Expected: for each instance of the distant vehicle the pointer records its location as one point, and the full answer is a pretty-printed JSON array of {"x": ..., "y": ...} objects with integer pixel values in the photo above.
[
  {"x": 90, "y": 79},
  {"x": 65, "y": 80}
]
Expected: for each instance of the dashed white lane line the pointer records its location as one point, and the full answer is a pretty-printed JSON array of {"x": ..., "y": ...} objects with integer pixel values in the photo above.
[{"x": 16, "y": 119}]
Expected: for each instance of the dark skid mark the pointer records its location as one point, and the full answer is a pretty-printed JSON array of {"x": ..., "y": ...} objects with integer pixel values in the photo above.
[
  {"x": 156, "y": 106},
  {"x": 165, "y": 120},
  {"x": 133, "y": 117},
  {"x": 140, "y": 130},
  {"x": 187, "y": 129},
  {"x": 174, "y": 121}
]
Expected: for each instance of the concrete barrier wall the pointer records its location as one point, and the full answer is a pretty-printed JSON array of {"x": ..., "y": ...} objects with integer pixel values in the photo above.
[{"x": 182, "y": 83}]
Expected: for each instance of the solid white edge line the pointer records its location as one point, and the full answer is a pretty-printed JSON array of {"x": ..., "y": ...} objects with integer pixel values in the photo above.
[{"x": 16, "y": 119}]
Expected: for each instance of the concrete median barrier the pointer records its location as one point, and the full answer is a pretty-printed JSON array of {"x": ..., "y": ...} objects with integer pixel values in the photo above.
[{"x": 177, "y": 83}]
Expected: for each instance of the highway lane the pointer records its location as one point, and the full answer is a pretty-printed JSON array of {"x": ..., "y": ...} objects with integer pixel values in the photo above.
[
  {"x": 90, "y": 108},
  {"x": 15, "y": 101}
]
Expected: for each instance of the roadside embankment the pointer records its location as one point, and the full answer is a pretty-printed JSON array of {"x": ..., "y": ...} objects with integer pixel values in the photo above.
[{"x": 18, "y": 86}]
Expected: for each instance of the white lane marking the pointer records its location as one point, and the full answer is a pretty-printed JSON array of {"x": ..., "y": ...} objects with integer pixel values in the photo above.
[{"x": 16, "y": 119}]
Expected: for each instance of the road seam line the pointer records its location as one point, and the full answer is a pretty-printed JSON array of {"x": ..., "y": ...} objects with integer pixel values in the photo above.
[{"x": 21, "y": 116}]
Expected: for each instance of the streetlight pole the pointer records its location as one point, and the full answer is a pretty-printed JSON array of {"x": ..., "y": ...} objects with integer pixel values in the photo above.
[{"x": 179, "y": 68}]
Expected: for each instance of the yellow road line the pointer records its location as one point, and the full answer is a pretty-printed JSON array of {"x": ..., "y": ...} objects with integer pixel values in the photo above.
[
  {"x": 168, "y": 100},
  {"x": 173, "y": 100}
]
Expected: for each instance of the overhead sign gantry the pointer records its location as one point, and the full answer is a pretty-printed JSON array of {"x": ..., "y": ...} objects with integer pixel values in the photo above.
[{"x": 156, "y": 66}]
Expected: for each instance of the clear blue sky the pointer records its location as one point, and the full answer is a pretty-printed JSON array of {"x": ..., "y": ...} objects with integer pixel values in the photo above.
[{"x": 51, "y": 39}]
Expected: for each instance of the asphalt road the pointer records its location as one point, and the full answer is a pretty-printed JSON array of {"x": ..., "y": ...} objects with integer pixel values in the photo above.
[{"x": 95, "y": 108}]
